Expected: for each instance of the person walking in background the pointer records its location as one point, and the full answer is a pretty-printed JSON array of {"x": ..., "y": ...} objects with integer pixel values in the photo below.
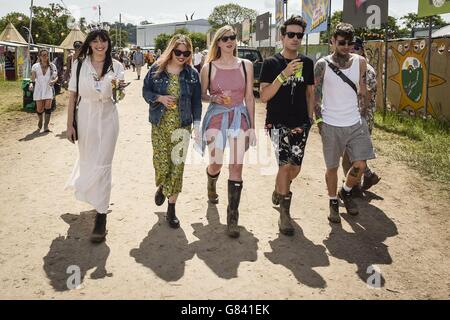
[
  {"x": 287, "y": 86},
  {"x": 10, "y": 66},
  {"x": 44, "y": 75},
  {"x": 172, "y": 89},
  {"x": 149, "y": 59},
  {"x": 198, "y": 57},
  {"x": 227, "y": 84},
  {"x": 138, "y": 59},
  {"x": 340, "y": 108},
  {"x": 91, "y": 87},
  {"x": 370, "y": 178},
  {"x": 70, "y": 59}
]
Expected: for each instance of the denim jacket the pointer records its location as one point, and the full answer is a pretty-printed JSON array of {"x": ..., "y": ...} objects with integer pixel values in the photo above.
[
  {"x": 227, "y": 130},
  {"x": 190, "y": 102}
]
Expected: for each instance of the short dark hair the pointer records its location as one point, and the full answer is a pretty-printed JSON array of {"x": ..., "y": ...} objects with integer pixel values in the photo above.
[
  {"x": 293, "y": 20},
  {"x": 345, "y": 30}
]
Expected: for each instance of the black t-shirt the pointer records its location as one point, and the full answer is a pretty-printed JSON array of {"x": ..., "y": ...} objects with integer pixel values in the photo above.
[{"x": 288, "y": 107}]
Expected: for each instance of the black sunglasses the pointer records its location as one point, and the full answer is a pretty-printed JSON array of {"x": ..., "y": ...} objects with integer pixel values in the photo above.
[
  {"x": 343, "y": 42},
  {"x": 291, "y": 35},
  {"x": 178, "y": 53},
  {"x": 226, "y": 38}
]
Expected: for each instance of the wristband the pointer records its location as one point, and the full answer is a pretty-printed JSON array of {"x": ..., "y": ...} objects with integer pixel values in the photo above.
[
  {"x": 280, "y": 79},
  {"x": 319, "y": 120}
]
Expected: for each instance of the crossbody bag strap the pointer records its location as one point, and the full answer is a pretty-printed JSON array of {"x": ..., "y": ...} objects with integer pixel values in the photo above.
[
  {"x": 78, "y": 81},
  {"x": 245, "y": 74},
  {"x": 341, "y": 75},
  {"x": 209, "y": 77}
]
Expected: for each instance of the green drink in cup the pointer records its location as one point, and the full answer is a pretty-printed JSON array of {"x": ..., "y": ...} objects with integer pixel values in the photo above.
[{"x": 299, "y": 70}]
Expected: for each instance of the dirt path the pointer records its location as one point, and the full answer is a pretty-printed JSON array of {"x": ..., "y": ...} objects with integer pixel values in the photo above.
[{"x": 403, "y": 228}]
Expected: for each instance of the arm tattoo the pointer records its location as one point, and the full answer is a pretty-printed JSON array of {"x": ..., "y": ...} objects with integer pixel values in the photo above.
[
  {"x": 319, "y": 72},
  {"x": 362, "y": 95}
]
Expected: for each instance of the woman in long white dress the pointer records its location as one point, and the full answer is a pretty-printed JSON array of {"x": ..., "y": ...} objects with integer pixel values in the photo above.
[
  {"x": 44, "y": 74},
  {"x": 97, "y": 125}
]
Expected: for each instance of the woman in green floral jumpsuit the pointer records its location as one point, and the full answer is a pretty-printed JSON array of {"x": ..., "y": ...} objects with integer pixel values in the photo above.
[{"x": 172, "y": 89}]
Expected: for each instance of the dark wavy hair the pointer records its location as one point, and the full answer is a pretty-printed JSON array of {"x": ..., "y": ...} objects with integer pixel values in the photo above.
[
  {"x": 87, "y": 51},
  {"x": 293, "y": 20}
]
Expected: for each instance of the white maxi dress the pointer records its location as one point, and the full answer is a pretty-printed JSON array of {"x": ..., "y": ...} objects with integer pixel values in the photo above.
[{"x": 98, "y": 130}]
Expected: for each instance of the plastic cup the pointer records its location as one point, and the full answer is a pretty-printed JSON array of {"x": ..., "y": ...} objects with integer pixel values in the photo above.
[
  {"x": 299, "y": 70},
  {"x": 227, "y": 97}
]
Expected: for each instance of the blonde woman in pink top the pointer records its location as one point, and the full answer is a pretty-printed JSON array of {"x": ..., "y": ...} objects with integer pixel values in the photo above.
[{"x": 227, "y": 84}]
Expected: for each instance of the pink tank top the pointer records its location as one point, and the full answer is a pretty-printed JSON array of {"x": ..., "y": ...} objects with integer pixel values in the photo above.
[
  {"x": 231, "y": 80},
  {"x": 234, "y": 81}
]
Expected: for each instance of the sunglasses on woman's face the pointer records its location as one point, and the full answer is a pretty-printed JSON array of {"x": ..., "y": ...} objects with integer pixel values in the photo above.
[
  {"x": 344, "y": 42},
  {"x": 291, "y": 35},
  {"x": 357, "y": 48},
  {"x": 226, "y": 38},
  {"x": 185, "y": 54}
]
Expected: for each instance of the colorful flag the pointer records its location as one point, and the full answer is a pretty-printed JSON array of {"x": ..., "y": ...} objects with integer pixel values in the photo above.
[
  {"x": 315, "y": 13},
  {"x": 432, "y": 7}
]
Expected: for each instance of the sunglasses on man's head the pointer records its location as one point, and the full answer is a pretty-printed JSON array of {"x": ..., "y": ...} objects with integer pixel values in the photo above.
[
  {"x": 185, "y": 54},
  {"x": 226, "y": 38},
  {"x": 291, "y": 35},
  {"x": 344, "y": 42}
]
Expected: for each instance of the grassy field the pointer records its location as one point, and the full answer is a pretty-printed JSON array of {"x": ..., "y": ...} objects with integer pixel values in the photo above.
[
  {"x": 424, "y": 144},
  {"x": 10, "y": 96}
]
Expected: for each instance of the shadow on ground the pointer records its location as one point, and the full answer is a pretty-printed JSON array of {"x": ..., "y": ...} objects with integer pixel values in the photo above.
[
  {"x": 75, "y": 249},
  {"x": 300, "y": 255},
  {"x": 364, "y": 246},
  {"x": 164, "y": 250},
  {"x": 220, "y": 253}
]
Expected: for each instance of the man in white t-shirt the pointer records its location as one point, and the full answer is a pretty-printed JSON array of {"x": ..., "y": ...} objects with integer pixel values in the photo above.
[
  {"x": 340, "y": 108},
  {"x": 198, "y": 59}
]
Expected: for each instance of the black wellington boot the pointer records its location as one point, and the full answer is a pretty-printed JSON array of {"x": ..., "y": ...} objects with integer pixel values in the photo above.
[{"x": 234, "y": 198}]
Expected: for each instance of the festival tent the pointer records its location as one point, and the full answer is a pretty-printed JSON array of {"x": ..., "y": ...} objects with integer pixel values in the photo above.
[
  {"x": 75, "y": 35},
  {"x": 11, "y": 34}
]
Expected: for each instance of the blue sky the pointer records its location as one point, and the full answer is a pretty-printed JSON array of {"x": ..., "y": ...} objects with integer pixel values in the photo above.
[{"x": 134, "y": 11}]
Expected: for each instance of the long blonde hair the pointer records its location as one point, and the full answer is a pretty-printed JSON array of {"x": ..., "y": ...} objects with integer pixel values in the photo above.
[
  {"x": 166, "y": 56},
  {"x": 214, "y": 52}
]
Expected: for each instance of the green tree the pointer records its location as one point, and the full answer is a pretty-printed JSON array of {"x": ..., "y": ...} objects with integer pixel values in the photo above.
[
  {"x": 198, "y": 40},
  {"x": 230, "y": 14},
  {"x": 118, "y": 38},
  {"x": 50, "y": 24},
  {"x": 162, "y": 40},
  {"x": 412, "y": 21}
]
